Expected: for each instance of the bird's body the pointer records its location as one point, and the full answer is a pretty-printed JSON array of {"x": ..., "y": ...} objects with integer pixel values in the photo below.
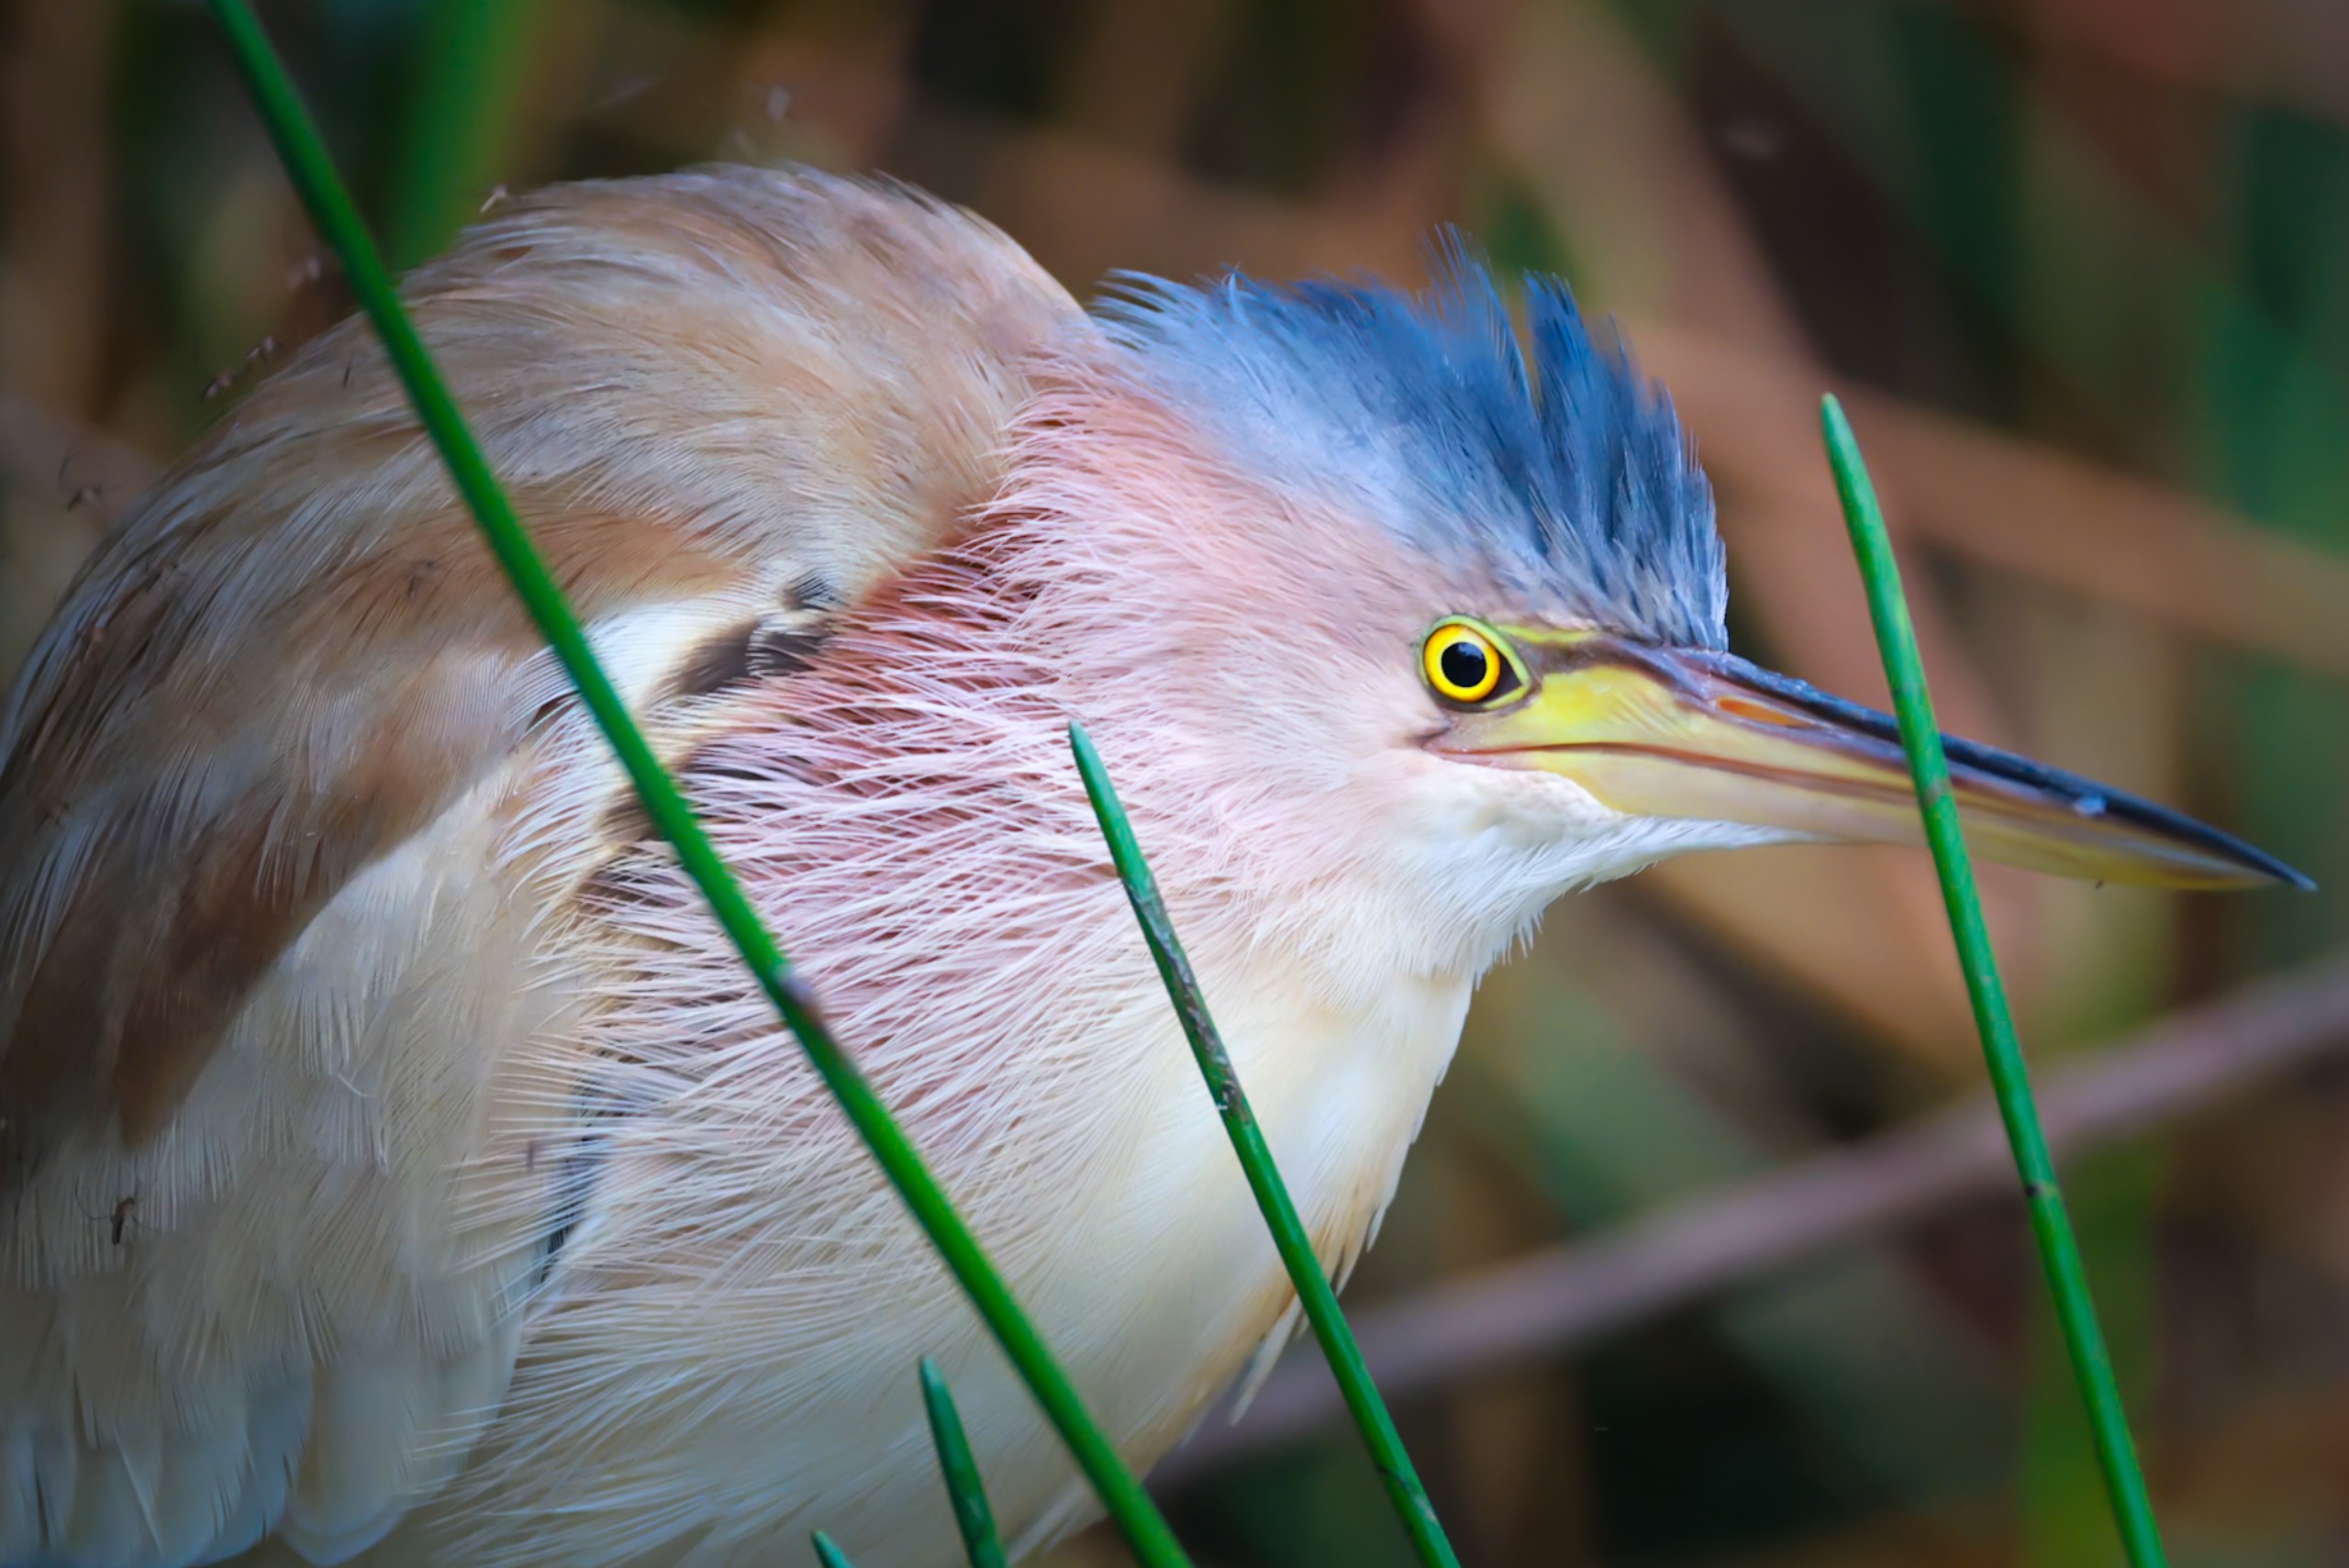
[
  {"x": 433, "y": 1204},
  {"x": 395, "y": 1165}
]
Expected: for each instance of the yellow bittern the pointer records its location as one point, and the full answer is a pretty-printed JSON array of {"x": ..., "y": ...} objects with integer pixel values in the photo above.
[{"x": 394, "y": 1163}]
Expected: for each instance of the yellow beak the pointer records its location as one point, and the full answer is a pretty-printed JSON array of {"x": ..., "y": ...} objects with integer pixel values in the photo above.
[{"x": 1696, "y": 734}]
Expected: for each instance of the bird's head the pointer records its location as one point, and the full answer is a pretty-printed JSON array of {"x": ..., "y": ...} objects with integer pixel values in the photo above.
[{"x": 1465, "y": 599}]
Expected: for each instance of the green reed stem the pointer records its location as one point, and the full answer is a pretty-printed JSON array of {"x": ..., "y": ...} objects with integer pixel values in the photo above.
[
  {"x": 305, "y": 156},
  {"x": 1296, "y": 1248},
  {"x": 827, "y": 1554},
  {"x": 2051, "y": 1223},
  {"x": 963, "y": 1487}
]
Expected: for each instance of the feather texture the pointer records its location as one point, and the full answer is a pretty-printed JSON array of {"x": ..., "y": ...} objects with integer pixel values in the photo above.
[
  {"x": 268, "y": 943},
  {"x": 483, "y": 1214},
  {"x": 1563, "y": 473}
]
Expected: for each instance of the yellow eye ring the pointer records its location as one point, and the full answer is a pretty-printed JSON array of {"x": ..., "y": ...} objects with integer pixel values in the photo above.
[{"x": 1462, "y": 663}]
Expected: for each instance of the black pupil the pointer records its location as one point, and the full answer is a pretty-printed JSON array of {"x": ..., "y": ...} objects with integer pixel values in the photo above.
[{"x": 1464, "y": 664}]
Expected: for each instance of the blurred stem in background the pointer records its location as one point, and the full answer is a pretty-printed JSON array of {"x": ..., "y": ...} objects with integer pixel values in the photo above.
[
  {"x": 1897, "y": 1388},
  {"x": 2280, "y": 449},
  {"x": 473, "y": 63}
]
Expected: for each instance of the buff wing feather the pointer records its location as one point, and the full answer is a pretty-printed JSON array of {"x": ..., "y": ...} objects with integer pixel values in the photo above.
[{"x": 290, "y": 804}]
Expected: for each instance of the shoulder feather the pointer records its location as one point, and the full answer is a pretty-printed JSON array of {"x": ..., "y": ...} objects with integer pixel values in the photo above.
[{"x": 717, "y": 387}]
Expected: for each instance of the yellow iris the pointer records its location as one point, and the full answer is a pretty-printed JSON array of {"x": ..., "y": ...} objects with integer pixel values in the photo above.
[{"x": 1462, "y": 663}]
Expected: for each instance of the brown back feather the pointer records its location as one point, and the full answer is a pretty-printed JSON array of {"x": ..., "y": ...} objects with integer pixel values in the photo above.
[{"x": 296, "y": 653}]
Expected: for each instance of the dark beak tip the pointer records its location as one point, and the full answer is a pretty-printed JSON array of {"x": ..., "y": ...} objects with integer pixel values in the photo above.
[{"x": 2264, "y": 870}]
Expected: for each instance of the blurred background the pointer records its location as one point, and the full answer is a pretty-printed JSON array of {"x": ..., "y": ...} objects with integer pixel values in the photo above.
[{"x": 1707, "y": 1255}]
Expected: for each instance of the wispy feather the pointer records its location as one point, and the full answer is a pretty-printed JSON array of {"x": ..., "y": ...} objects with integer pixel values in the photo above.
[{"x": 1566, "y": 475}]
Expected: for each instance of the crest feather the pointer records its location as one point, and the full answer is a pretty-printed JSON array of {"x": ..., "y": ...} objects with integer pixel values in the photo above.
[{"x": 1566, "y": 475}]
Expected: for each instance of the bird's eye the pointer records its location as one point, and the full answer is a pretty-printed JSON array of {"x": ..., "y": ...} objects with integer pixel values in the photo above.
[{"x": 1464, "y": 663}]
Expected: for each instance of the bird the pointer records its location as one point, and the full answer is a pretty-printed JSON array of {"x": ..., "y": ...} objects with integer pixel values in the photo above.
[{"x": 397, "y": 1165}]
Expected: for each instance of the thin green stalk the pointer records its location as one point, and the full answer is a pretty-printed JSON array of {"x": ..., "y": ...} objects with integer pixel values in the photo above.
[
  {"x": 304, "y": 157},
  {"x": 2051, "y": 1225},
  {"x": 827, "y": 1554},
  {"x": 1296, "y": 1248},
  {"x": 963, "y": 1487}
]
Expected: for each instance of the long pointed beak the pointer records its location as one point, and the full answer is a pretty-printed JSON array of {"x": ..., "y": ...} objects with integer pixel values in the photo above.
[{"x": 1694, "y": 734}]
